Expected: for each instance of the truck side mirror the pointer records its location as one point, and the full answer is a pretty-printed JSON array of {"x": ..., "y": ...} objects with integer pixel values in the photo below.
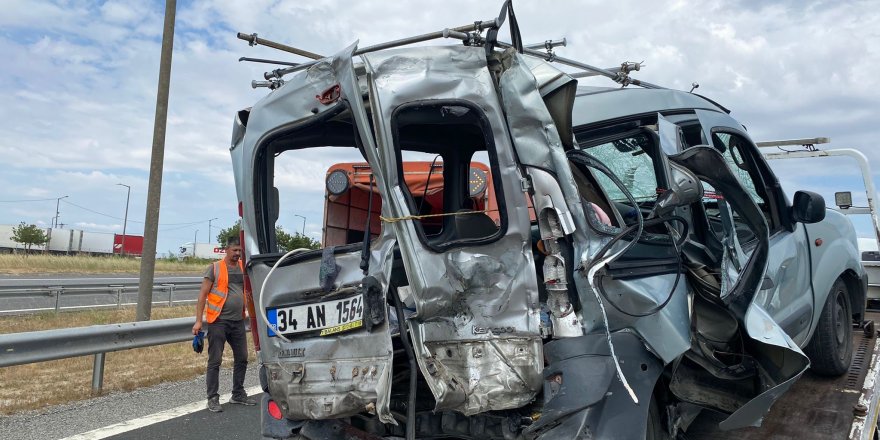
[{"x": 808, "y": 207}]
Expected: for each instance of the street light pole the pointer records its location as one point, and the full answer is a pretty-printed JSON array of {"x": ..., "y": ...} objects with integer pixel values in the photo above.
[
  {"x": 57, "y": 212},
  {"x": 125, "y": 220},
  {"x": 304, "y": 223},
  {"x": 209, "y": 228},
  {"x": 154, "y": 186},
  {"x": 195, "y": 240}
]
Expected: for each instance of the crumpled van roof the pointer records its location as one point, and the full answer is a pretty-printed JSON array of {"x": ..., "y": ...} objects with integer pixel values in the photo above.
[{"x": 595, "y": 104}]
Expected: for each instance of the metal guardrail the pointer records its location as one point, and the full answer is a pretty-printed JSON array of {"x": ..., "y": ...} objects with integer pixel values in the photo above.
[
  {"x": 48, "y": 345},
  {"x": 117, "y": 287}
]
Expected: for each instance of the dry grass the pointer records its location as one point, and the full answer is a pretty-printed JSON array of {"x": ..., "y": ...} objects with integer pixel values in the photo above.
[
  {"x": 68, "y": 380},
  {"x": 21, "y": 264}
]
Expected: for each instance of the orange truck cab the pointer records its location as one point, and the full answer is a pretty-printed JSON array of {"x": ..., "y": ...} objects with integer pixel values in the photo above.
[{"x": 349, "y": 189}]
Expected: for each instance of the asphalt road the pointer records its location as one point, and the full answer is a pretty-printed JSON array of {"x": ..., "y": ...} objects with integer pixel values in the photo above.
[
  {"x": 62, "y": 421},
  {"x": 235, "y": 422},
  {"x": 805, "y": 412}
]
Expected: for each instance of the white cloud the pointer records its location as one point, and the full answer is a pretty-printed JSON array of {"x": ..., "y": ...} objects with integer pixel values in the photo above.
[
  {"x": 96, "y": 227},
  {"x": 78, "y": 85}
]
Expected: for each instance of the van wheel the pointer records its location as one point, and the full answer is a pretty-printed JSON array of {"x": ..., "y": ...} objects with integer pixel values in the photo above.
[
  {"x": 655, "y": 430},
  {"x": 830, "y": 350}
]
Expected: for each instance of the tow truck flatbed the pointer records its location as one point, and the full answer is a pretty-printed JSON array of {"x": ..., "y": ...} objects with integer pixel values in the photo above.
[{"x": 816, "y": 407}]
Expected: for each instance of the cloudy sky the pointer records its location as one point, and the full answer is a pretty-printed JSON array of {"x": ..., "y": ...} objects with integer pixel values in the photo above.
[{"x": 78, "y": 87}]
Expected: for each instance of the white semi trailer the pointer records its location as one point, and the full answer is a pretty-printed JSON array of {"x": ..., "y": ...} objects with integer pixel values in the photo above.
[
  {"x": 201, "y": 250},
  {"x": 73, "y": 241}
]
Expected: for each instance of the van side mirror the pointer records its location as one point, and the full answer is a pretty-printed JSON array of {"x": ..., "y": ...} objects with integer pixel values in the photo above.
[{"x": 808, "y": 207}]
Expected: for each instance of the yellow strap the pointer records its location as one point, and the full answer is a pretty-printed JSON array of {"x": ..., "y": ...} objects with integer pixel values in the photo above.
[{"x": 419, "y": 217}]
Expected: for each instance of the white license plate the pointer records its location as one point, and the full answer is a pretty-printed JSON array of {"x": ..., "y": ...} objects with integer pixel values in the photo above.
[{"x": 328, "y": 317}]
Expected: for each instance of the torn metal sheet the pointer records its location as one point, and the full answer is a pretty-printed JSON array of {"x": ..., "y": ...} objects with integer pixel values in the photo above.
[
  {"x": 666, "y": 333},
  {"x": 476, "y": 329},
  {"x": 538, "y": 145},
  {"x": 778, "y": 360},
  {"x": 548, "y": 195},
  {"x": 704, "y": 162},
  {"x": 783, "y": 363}
]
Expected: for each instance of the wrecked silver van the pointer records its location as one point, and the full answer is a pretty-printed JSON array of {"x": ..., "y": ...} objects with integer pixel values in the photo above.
[{"x": 639, "y": 263}]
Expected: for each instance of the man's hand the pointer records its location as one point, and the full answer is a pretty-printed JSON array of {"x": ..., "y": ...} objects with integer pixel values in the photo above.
[{"x": 200, "y": 303}]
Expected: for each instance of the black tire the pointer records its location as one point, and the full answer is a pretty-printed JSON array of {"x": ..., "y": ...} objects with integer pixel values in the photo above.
[{"x": 830, "y": 350}]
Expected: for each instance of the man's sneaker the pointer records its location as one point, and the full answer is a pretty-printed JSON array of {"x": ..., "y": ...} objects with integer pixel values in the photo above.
[
  {"x": 214, "y": 405},
  {"x": 243, "y": 400}
]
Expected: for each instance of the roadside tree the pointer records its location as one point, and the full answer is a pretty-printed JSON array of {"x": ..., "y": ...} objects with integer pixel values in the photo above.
[
  {"x": 286, "y": 241},
  {"x": 28, "y": 235},
  {"x": 231, "y": 231}
]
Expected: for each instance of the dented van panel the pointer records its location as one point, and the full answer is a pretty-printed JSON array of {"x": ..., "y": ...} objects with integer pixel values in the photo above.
[
  {"x": 539, "y": 146},
  {"x": 319, "y": 377},
  {"x": 475, "y": 329}
]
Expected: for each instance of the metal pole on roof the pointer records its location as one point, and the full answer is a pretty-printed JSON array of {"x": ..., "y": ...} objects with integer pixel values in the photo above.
[
  {"x": 154, "y": 189},
  {"x": 476, "y": 26}
]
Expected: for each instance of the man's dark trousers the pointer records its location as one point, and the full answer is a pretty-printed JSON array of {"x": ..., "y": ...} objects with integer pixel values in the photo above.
[{"x": 220, "y": 332}]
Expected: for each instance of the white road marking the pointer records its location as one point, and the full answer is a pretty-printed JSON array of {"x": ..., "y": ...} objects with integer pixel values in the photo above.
[{"x": 131, "y": 425}]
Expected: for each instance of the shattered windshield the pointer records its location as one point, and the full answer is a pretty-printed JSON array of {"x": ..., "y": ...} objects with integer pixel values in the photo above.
[{"x": 628, "y": 160}]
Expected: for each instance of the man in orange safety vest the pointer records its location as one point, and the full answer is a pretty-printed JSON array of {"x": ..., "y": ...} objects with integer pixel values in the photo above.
[{"x": 222, "y": 305}]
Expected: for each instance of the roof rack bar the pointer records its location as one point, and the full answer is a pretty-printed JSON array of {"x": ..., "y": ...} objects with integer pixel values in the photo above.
[
  {"x": 586, "y": 74},
  {"x": 479, "y": 26},
  {"x": 615, "y": 76},
  {"x": 445, "y": 33},
  {"x": 547, "y": 45},
  {"x": 263, "y": 60},
  {"x": 254, "y": 40}
]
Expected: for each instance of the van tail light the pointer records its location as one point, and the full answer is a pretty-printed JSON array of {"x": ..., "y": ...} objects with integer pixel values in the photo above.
[
  {"x": 248, "y": 292},
  {"x": 274, "y": 410}
]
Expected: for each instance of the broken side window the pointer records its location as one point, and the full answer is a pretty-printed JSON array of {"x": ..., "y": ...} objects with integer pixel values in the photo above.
[
  {"x": 730, "y": 147},
  {"x": 735, "y": 150},
  {"x": 448, "y": 149},
  {"x": 313, "y": 188},
  {"x": 692, "y": 134}
]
